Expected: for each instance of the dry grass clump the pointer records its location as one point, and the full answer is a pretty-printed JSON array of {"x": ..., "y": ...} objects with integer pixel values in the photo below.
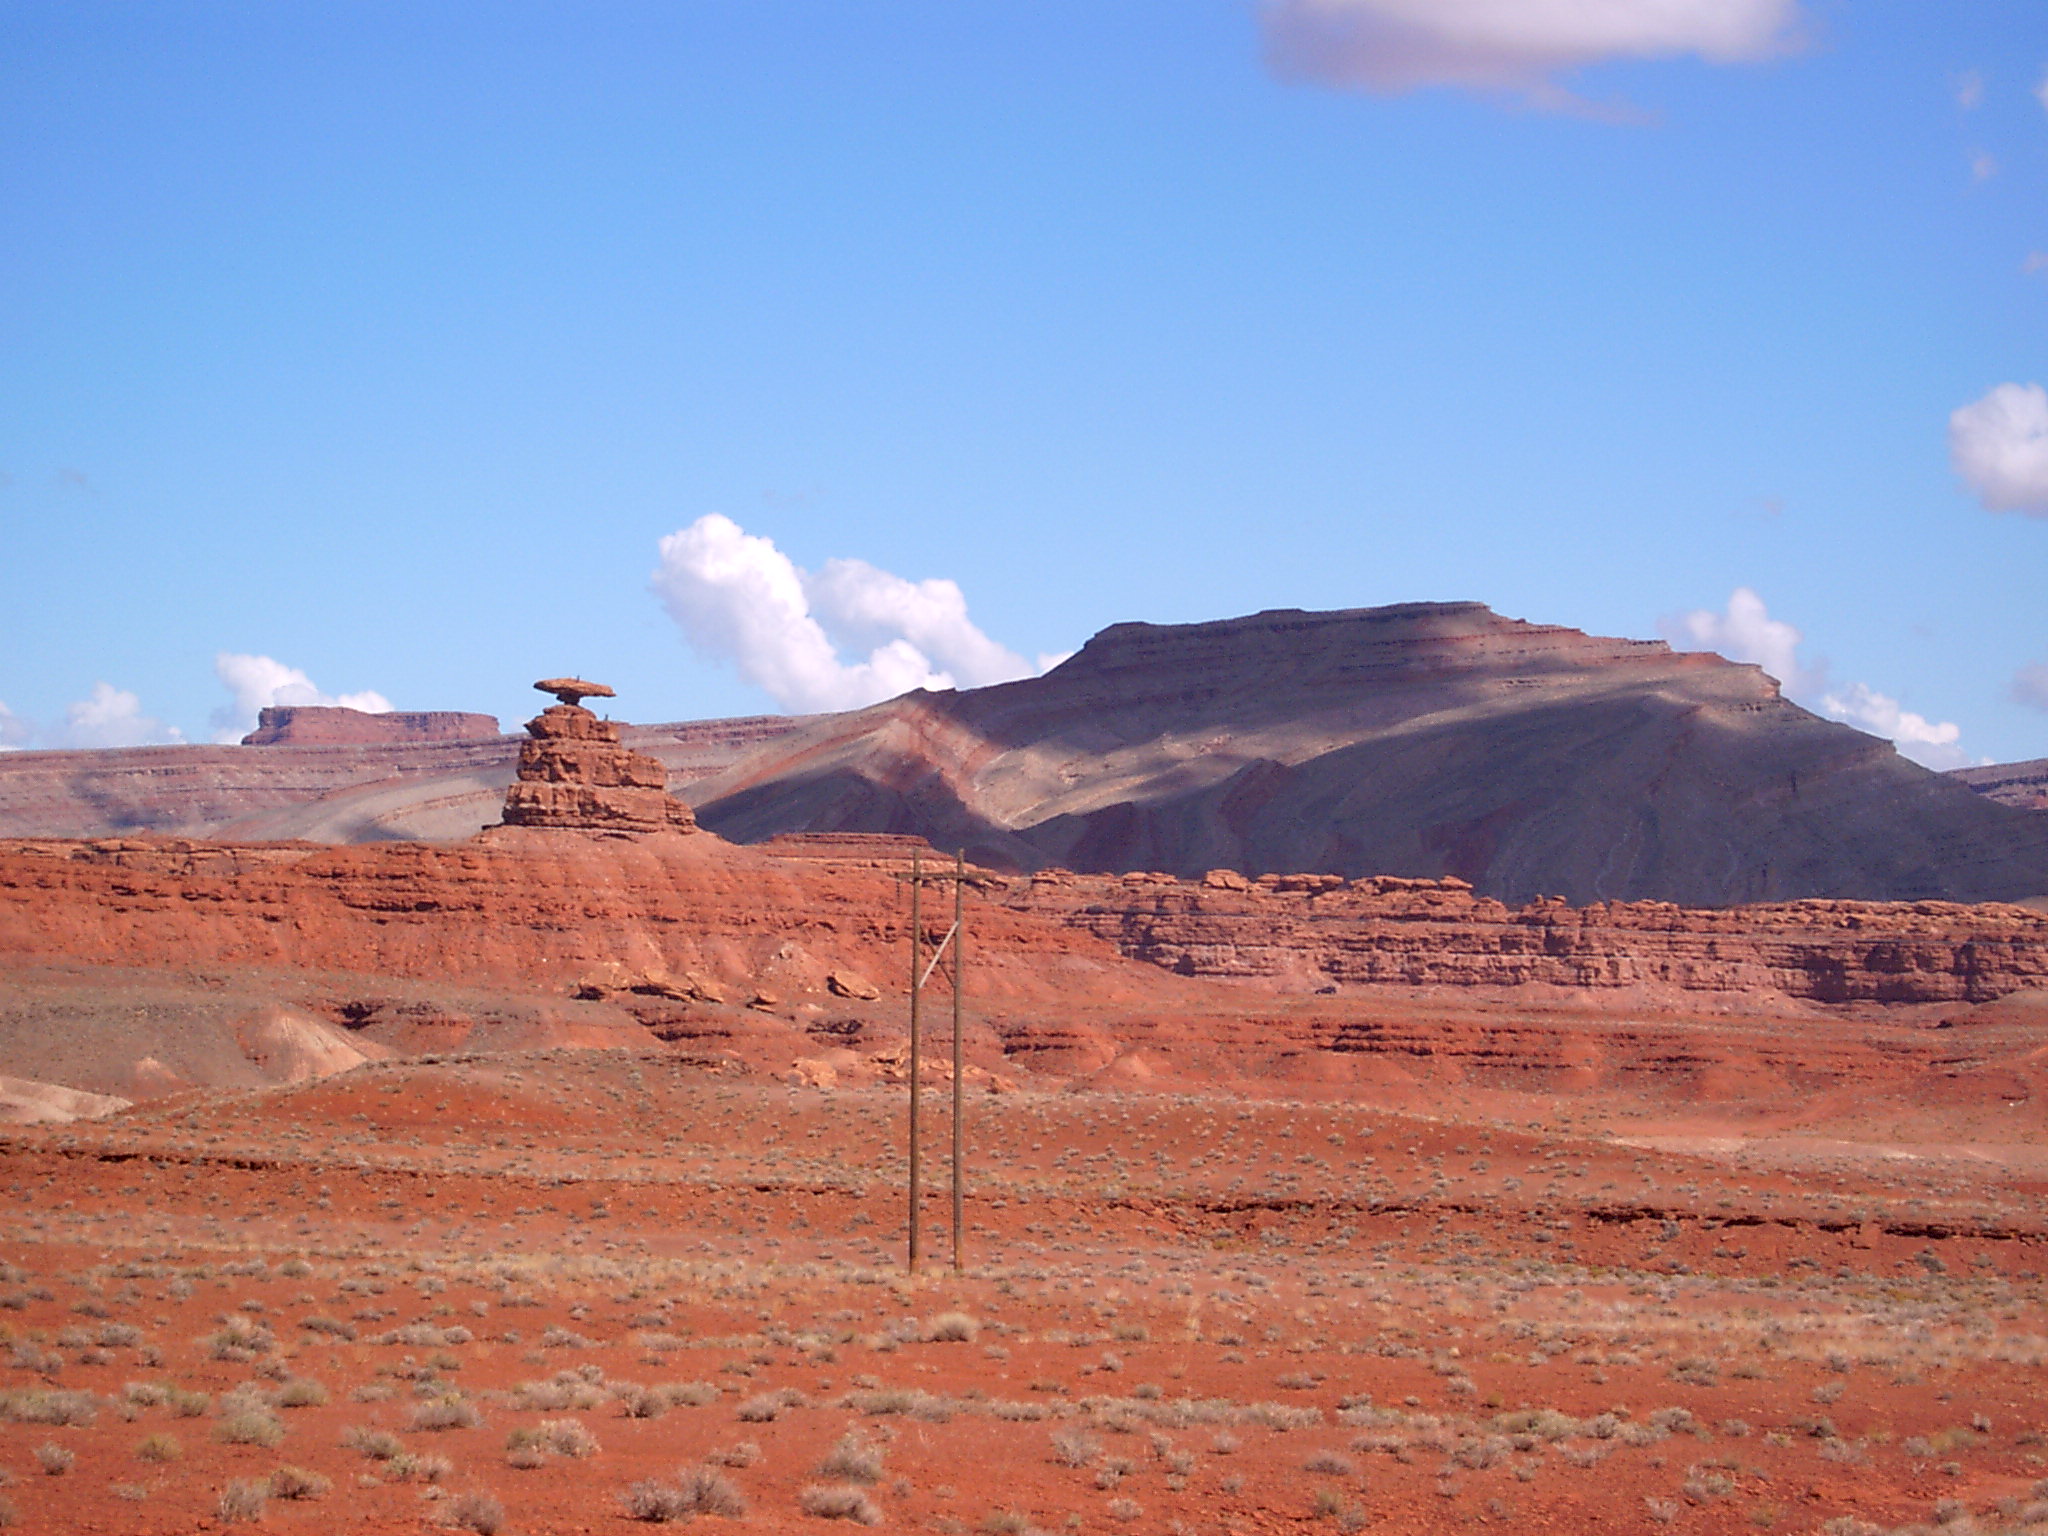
[
  {"x": 159, "y": 1447},
  {"x": 301, "y": 1392},
  {"x": 54, "y": 1460},
  {"x": 296, "y": 1483},
  {"x": 376, "y": 1444},
  {"x": 447, "y": 1413},
  {"x": 477, "y": 1511},
  {"x": 854, "y": 1459},
  {"x": 839, "y": 1501},
  {"x": 952, "y": 1328},
  {"x": 533, "y": 1445},
  {"x": 250, "y": 1426},
  {"x": 241, "y": 1502},
  {"x": 37, "y": 1406},
  {"x": 698, "y": 1491}
]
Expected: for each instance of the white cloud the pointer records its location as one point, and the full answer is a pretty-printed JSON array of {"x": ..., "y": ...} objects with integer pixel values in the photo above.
[
  {"x": 1746, "y": 632},
  {"x": 15, "y": 732},
  {"x": 257, "y": 682},
  {"x": 1969, "y": 90},
  {"x": 113, "y": 717},
  {"x": 2041, "y": 92},
  {"x": 1929, "y": 744},
  {"x": 2036, "y": 263},
  {"x": 1389, "y": 46},
  {"x": 1999, "y": 445},
  {"x": 739, "y": 598},
  {"x": 1983, "y": 165},
  {"x": 2030, "y": 685}
]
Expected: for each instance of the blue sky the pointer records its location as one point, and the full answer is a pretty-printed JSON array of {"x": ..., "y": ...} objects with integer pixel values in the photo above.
[{"x": 381, "y": 345}]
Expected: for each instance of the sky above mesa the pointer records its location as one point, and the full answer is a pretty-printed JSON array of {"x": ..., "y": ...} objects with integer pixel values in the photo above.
[{"x": 780, "y": 355}]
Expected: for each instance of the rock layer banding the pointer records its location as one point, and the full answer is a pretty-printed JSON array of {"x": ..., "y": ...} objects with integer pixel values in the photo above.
[{"x": 574, "y": 774}]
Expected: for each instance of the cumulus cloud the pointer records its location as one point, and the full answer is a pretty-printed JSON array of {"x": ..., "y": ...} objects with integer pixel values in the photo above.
[
  {"x": 737, "y": 597},
  {"x": 1999, "y": 446},
  {"x": 113, "y": 717},
  {"x": 15, "y": 732},
  {"x": 1747, "y": 632},
  {"x": 1514, "y": 46},
  {"x": 2030, "y": 685},
  {"x": 1927, "y": 743},
  {"x": 257, "y": 682}
]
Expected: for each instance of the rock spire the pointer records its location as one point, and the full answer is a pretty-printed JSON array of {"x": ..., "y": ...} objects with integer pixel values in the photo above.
[{"x": 575, "y": 775}]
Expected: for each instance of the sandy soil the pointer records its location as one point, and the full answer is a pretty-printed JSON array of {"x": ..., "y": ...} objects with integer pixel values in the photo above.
[{"x": 501, "y": 1291}]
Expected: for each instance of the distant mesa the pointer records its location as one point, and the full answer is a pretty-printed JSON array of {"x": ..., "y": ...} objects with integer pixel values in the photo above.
[
  {"x": 327, "y": 725},
  {"x": 574, "y": 775}
]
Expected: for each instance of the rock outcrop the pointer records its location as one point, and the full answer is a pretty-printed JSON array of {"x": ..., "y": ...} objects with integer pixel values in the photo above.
[
  {"x": 1305, "y": 933},
  {"x": 2022, "y": 784},
  {"x": 332, "y": 726},
  {"x": 575, "y": 775}
]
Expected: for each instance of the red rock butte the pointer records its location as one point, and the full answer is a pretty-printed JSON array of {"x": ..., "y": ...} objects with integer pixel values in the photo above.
[{"x": 575, "y": 775}]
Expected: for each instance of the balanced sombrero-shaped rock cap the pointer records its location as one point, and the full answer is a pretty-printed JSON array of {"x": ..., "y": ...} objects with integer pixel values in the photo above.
[{"x": 571, "y": 689}]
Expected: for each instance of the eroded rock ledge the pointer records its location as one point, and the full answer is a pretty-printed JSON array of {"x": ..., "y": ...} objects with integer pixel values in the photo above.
[{"x": 1322, "y": 930}]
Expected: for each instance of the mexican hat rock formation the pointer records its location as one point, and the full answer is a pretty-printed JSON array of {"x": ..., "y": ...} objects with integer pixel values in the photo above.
[{"x": 575, "y": 775}]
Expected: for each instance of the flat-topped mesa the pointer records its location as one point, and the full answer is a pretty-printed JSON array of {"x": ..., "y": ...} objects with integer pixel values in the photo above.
[{"x": 575, "y": 776}]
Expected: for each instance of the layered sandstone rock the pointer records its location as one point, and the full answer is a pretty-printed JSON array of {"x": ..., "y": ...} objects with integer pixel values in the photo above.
[
  {"x": 2020, "y": 784},
  {"x": 575, "y": 775},
  {"x": 325, "y": 725},
  {"x": 1318, "y": 932}
]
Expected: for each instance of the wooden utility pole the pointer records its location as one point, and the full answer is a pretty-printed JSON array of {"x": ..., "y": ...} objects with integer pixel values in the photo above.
[{"x": 921, "y": 971}]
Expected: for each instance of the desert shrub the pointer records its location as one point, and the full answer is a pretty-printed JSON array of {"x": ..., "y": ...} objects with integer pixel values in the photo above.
[
  {"x": 655, "y": 1502},
  {"x": 44, "y": 1407},
  {"x": 301, "y": 1392},
  {"x": 55, "y": 1460},
  {"x": 159, "y": 1448},
  {"x": 249, "y": 1426},
  {"x": 838, "y": 1501},
  {"x": 297, "y": 1483},
  {"x": 1125, "y": 1509},
  {"x": 855, "y": 1459},
  {"x": 446, "y": 1413},
  {"x": 1074, "y": 1447},
  {"x": 239, "y": 1339},
  {"x": 689, "y": 1394},
  {"x": 428, "y": 1468},
  {"x": 1330, "y": 1464},
  {"x": 376, "y": 1444},
  {"x": 242, "y": 1501},
  {"x": 711, "y": 1492},
  {"x": 638, "y": 1402},
  {"x": 759, "y": 1410},
  {"x": 477, "y": 1511},
  {"x": 745, "y": 1454},
  {"x": 1005, "y": 1522},
  {"x": 567, "y": 1437},
  {"x": 953, "y": 1328},
  {"x": 188, "y": 1405}
]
